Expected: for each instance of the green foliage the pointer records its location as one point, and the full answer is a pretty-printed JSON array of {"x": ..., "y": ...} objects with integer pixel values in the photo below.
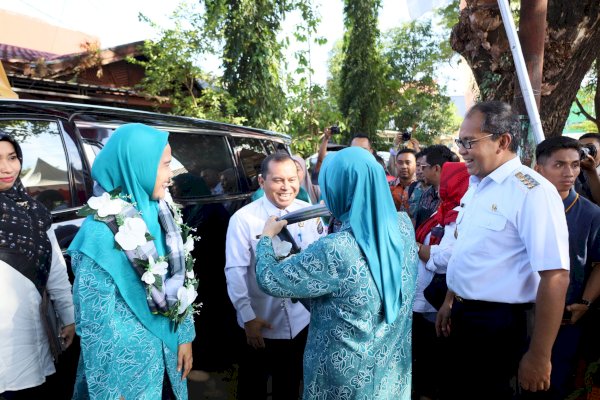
[
  {"x": 448, "y": 17},
  {"x": 85, "y": 211},
  {"x": 310, "y": 110},
  {"x": 362, "y": 70},
  {"x": 585, "y": 126},
  {"x": 336, "y": 60},
  {"x": 172, "y": 74},
  {"x": 586, "y": 97},
  {"x": 374, "y": 83},
  {"x": 252, "y": 89},
  {"x": 251, "y": 56},
  {"x": 413, "y": 98}
]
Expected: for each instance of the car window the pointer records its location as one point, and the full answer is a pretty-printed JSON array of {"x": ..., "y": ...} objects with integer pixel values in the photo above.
[
  {"x": 251, "y": 153},
  {"x": 44, "y": 170},
  {"x": 202, "y": 166},
  {"x": 91, "y": 149}
]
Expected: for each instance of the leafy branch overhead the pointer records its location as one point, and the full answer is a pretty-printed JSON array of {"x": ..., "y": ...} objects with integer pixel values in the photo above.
[{"x": 370, "y": 88}]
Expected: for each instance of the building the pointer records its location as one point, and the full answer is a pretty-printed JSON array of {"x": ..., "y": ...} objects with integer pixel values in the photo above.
[{"x": 47, "y": 62}]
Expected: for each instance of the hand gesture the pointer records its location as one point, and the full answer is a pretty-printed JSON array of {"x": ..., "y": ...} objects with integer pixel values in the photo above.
[
  {"x": 534, "y": 372},
  {"x": 442, "y": 320},
  {"x": 67, "y": 333},
  {"x": 588, "y": 164},
  {"x": 273, "y": 227},
  {"x": 577, "y": 310},
  {"x": 184, "y": 359},
  {"x": 253, "y": 330},
  {"x": 327, "y": 134}
]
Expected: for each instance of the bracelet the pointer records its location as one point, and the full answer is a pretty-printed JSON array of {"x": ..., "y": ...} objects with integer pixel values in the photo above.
[{"x": 585, "y": 302}]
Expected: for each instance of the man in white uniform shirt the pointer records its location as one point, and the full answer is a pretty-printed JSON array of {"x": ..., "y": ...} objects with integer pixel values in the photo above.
[
  {"x": 511, "y": 251},
  {"x": 275, "y": 328}
]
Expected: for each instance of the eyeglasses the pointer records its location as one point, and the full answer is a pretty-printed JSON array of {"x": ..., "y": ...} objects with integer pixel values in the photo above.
[
  {"x": 467, "y": 144},
  {"x": 422, "y": 166}
]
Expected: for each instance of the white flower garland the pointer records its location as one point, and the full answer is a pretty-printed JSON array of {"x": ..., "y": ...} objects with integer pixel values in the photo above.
[{"x": 133, "y": 233}]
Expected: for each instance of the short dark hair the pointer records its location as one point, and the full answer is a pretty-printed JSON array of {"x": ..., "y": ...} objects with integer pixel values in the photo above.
[
  {"x": 406, "y": 151},
  {"x": 361, "y": 136},
  {"x": 420, "y": 154},
  {"x": 547, "y": 147},
  {"x": 591, "y": 135},
  {"x": 438, "y": 154},
  {"x": 278, "y": 156},
  {"x": 498, "y": 118}
]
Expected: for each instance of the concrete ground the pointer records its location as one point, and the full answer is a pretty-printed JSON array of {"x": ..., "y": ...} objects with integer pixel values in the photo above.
[{"x": 218, "y": 386}]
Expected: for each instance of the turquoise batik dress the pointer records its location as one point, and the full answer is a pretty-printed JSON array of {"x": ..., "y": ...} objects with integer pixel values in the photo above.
[
  {"x": 120, "y": 357},
  {"x": 351, "y": 352}
]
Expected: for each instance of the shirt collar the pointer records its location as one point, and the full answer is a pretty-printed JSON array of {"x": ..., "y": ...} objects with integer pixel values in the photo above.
[
  {"x": 567, "y": 201},
  {"x": 501, "y": 173},
  {"x": 271, "y": 208},
  {"x": 398, "y": 182}
]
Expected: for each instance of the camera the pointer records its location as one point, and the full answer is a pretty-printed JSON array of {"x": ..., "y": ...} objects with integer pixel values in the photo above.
[
  {"x": 334, "y": 129},
  {"x": 406, "y": 136},
  {"x": 587, "y": 150}
]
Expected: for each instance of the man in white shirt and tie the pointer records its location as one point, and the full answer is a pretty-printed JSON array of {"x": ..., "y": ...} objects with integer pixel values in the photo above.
[{"x": 275, "y": 328}]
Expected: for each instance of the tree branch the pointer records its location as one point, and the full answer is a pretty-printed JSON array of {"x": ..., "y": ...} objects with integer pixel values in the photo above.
[
  {"x": 597, "y": 95},
  {"x": 585, "y": 113}
]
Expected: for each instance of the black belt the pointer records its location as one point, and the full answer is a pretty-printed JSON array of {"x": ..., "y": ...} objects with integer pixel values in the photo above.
[{"x": 480, "y": 304}]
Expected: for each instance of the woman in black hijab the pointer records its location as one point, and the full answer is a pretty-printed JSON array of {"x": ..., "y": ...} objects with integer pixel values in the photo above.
[{"x": 31, "y": 268}]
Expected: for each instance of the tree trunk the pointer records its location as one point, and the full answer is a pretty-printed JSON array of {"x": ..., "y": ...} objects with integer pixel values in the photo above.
[
  {"x": 532, "y": 32},
  {"x": 572, "y": 37},
  {"x": 597, "y": 95}
]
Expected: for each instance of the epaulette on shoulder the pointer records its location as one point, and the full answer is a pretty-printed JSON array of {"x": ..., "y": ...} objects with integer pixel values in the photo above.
[{"x": 526, "y": 180}]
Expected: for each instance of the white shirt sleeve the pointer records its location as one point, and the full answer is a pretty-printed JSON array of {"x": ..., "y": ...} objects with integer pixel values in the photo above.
[
  {"x": 238, "y": 258},
  {"x": 440, "y": 254},
  {"x": 58, "y": 285},
  {"x": 542, "y": 226}
]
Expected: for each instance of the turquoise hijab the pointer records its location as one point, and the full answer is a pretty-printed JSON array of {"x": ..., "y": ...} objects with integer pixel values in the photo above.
[
  {"x": 356, "y": 191},
  {"x": 129, "y": 160}
]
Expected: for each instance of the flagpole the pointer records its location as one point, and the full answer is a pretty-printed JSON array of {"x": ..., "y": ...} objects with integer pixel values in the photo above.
[{"x": 521, "y": 68}]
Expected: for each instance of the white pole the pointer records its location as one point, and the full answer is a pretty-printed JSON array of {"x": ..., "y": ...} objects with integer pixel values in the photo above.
[{"x": 524, "y": 82}]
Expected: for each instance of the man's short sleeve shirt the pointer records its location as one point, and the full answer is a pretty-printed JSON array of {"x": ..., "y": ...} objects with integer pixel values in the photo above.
[{"x": 511, "y": 226}]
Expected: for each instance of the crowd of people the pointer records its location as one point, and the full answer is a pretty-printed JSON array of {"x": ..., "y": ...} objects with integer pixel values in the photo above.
[{"x": 466, "y": 276}]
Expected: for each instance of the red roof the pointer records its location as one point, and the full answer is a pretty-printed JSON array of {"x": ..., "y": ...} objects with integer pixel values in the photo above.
[{"x": 13, "y": 53}]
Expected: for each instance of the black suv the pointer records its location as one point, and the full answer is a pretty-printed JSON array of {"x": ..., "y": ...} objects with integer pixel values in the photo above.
[{"x": 215, "y": 165}]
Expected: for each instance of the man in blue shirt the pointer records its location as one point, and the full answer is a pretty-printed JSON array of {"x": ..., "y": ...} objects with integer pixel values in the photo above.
[{"x": 558, "y": 160}]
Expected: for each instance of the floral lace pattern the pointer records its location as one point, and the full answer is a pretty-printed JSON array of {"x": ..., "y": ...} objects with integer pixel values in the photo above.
[
  {"x": 351, "y": 353},
  {"x": 119, "y": 356}
]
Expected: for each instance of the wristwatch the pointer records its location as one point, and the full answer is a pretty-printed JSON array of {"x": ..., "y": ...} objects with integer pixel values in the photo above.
[{"x": 585, "y": 302}]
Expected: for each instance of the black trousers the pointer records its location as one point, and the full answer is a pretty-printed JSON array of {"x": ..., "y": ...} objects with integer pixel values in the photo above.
[
  {"x": 429, "y": 359},
  {"x": 281, "y": 359},
  {"x": 487, "y": 343}
]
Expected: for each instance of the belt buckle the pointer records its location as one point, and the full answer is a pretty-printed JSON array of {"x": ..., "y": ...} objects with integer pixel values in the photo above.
[{"x": 459, "y": 299}]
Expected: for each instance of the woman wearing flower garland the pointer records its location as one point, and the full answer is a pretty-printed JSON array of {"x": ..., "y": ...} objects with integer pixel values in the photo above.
[
  {"x": 31, "y": 264},
  {"x": 134, "y": 281}
]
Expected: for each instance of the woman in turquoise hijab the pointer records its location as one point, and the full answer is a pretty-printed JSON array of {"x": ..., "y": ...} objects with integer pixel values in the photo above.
[
  {"x": 359, "y": 283},
  {"x": 132, "y": 308}
]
